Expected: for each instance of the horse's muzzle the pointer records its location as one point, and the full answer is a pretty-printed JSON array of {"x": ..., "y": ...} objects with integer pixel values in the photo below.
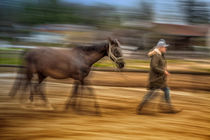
[{"x": 121, "y": 64}]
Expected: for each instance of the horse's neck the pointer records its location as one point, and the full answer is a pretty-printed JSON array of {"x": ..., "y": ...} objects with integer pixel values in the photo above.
[{"x": 95, "y": 56}]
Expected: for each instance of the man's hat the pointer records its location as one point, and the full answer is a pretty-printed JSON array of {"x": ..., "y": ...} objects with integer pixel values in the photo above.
[{"x": 161, "y": 43}]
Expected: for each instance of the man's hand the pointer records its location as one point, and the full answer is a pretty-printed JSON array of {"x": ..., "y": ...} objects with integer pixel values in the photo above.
[{"x": 167, "y": 73}]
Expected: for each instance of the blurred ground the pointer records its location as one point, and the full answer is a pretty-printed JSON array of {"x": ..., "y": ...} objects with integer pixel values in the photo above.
[
  {"x": 138, "y": 25},
  {"x": 118, "y": 119},
  {"x": 184, "y": 82}
]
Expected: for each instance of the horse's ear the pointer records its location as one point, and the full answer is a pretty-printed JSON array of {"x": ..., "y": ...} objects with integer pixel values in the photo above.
[
  {"x": 110, "y": 40},
  {"x": 117, "y": 41}
]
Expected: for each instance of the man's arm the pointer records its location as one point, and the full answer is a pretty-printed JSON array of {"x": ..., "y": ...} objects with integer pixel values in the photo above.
[{"x": 154, "y": 65}]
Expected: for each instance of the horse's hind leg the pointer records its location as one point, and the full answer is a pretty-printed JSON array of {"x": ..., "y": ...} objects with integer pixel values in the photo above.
[
  {"x": 39, "y": 87},
  {"x": 27, "y": 83},
  {"x": 15, "y": 87},
  {"x": 17, "y": 84},
  {"x": 29, "y": 76}
]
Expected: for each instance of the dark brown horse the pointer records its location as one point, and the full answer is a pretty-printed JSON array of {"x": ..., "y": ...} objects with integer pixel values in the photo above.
[{"x": 73, "y": 63}]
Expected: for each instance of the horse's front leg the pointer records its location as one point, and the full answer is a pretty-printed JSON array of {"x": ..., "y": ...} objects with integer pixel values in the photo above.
[
  {"x": 93, "y": 95},
  {"x": 73, "y": 96},
  {"x": 24, "y": 89},
  {"x": 81, "y": 94},
  {"x": 39, "y": 89}
]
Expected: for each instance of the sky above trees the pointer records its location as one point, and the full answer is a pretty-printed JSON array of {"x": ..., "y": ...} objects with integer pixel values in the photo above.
[{"x": 165, "y": 10}]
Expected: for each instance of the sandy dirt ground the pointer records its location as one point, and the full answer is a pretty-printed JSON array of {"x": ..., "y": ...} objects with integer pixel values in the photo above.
[{"x": 118, "y": 98}]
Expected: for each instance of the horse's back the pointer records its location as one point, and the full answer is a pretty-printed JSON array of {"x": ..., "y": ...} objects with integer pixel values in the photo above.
[{"x": 56, "y": 63}]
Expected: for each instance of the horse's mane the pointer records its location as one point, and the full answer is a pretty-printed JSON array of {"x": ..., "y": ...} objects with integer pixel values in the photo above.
[{"x": 94, "y": 47}]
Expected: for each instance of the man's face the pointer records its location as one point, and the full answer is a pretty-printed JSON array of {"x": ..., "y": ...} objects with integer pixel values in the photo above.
[{"x": 163, "y": 49}]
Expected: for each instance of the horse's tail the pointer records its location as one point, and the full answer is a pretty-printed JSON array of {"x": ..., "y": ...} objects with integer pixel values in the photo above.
[{"x": 20, "y": 77}]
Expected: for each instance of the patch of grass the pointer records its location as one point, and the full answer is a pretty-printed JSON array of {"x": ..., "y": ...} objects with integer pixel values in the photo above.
[
  {"x": 103, "y": 65},
  {"x": 140, "y": 68},
  {"x": 137, "y": 61},
  {"x": 176, "y": 61},
  {"x": 10, "y": 60},
  {"x": 11, "y": 49},
  {"x": 132, "y": 63},
  {"x": 200, "y": 69}
]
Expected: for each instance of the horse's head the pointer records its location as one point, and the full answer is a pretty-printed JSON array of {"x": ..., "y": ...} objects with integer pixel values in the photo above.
[{"x": 115, "y": 54}]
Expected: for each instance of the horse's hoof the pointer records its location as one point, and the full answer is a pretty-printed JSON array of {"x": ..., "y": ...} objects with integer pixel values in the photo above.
[
  {"x": 26, "y": 102},
  {"x": 138, "y": 111},
  {"x": 49, "y": 106},
  {"x": 98, "y": 113},
  {"x": 31, "y": 98},
  {"x": 23, "y": 106},
  {"x": 66, "y": 107},
  {"x": 12, "y": 95}
]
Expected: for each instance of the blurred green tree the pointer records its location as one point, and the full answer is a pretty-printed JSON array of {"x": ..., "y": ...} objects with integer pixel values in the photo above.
[
  {"x": 56, "y": 11},
  {"x": 145, "y": 11},
  {"x": 195, "y": 12}
]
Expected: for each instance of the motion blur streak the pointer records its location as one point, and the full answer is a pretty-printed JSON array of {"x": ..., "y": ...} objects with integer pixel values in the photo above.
[{"x": 94, "y": 53}]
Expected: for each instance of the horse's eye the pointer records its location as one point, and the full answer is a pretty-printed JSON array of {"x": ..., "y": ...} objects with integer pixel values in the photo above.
[{"x": 116, "y": 53}]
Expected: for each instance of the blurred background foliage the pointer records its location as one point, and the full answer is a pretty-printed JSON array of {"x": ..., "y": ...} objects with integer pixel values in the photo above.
[
  {"x": 59, "y": 11},
  {"x": 184, "y": 24},
  {"x": 55, "y": 11}
]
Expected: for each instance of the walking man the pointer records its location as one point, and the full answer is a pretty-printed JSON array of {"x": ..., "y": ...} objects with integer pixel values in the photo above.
[{"x": 158, "y": 76}]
